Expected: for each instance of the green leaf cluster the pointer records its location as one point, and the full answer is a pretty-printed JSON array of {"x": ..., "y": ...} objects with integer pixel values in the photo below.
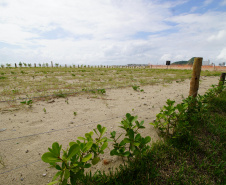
[
  {"x": 133, "y": 146},
  {"x": 29, "y": 102},
  {"x": 81, "y": 154}
]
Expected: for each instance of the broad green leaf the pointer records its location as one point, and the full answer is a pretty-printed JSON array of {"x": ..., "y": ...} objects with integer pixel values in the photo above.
[
  {"x": 86, "y": 158},
  {"x": 50, "y": 157},
  {"x": 91, "y": 133},
  {"x": 147, "y": 139},
  {"x": 131, "y": 134},
  {"x": 141, "y": 127},
  {"x": 88, "y": 136},
  {"x": 72, "y": 143},
  {"x": 74, "y": 149},
  {"x": 113, "y": 134},
  {"x": 126, "y": 154},
  {"x": 122, "y": 143},
  {"x": 113, "y": 152},
  {"x": 54, "y": 182},
  {"x": 66, "y": 174},
  {"x": 141, "y": 123},
  {"x": 126, "y": 140},
  {"x": 136, "y": 144},
  {"x": 56, "y": 148},
  {"x": 137, "y": 138},
  {"x": 95, "y": 132},
  {"x": 104, "y": 146},
  {"x": 103, "y": 130},
  {"x": 95, "y": 160},
  {"x": 56, "y": 175},
  {"x": 58, "y": 167},
  {"x": 88, "y": 146},
  {"x": 99, "y": 128},
  {"x": 81, "y": 138},
  {"x": 87, "y": 165}
]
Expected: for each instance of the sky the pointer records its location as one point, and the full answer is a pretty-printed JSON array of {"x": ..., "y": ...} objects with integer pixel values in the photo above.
[{"x": 112, "y": 32}]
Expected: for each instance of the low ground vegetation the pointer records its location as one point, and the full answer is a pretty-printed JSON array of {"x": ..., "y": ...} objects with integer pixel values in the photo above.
[
  {"x": 192, "y": 150},
  {"x": 27, "y": 82}
]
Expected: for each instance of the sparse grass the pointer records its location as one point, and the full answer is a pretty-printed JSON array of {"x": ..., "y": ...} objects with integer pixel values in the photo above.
[{"x": 46, "y": 80}]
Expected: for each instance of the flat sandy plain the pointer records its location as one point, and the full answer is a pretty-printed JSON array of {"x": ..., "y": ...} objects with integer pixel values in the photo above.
[{"x": 28, "y": 132}]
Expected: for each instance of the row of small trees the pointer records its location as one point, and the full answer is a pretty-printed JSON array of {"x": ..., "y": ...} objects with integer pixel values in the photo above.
[{"x": 28, "y": 65}]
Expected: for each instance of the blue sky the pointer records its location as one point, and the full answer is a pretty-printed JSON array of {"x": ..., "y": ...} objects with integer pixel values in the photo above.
[{"x": 111, "y": 32}]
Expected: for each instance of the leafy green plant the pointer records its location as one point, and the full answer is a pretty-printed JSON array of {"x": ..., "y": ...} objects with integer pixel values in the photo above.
[
  {"x": 20, "y": 64},
  {"x": 75, "y": 113},
  {"x": 101, "y": 91},
  {"x": 79, "y": 155},
  {"x": 44, "y": 109},
  {"x": 137, "y": 88},
  {"x": 29, "y": 103},
  {"x": 171, "y": 121},
  {"x": 133, "y": 146}
]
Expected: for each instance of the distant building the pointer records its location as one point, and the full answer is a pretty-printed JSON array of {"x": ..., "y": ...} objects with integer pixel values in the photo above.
[
  {"x": 206, "y": 63},
  {"x": 135, "y": 65},
  {"x": 222, "y": 64}
]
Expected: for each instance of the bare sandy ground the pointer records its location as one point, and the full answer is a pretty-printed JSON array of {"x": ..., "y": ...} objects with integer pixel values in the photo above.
[{"x": 28, "y": 132}]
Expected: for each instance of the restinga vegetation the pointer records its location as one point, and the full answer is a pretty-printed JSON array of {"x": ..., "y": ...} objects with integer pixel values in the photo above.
[
  {"x": 193, "y": 143},
  {"x": 44, "y": 81}
]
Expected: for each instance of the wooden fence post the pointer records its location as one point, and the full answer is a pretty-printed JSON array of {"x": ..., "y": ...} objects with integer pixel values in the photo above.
[
  {"x": 222, "y": 79},
  {"x": 52, "y": 64},
  {"x": 15, "y": 65},
  {"x": 194, "y": 84}
]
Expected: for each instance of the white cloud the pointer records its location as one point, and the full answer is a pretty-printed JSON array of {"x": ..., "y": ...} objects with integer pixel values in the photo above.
[
  {"x": 101, "y": 31},
  {"x": 222, "y": 54},
  {"x": 220, "y": 36}
]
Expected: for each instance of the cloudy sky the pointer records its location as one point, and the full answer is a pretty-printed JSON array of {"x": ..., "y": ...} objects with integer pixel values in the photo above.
[{"x": 111, "y": 31}]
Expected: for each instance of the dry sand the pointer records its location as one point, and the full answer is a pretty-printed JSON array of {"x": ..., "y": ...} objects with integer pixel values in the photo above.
[{"x": 30, "y": 131}]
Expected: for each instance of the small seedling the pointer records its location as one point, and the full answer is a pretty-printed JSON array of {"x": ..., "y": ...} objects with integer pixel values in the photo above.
[
  {"x": 101, "y": 91},
  {"x": 136, "y": 88},
  {"x": 44, "y": 110},
  {"x": 66, "y": 100},
  {"x": 29, "y": 103},
  {"x": 75, "y": 113}
]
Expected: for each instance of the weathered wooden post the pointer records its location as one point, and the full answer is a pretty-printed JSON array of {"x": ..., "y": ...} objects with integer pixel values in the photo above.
[
  {"x": 52, "y": 64},
  {"x": 66, "y": 65},
  {"x": 35, "y": 64},
  {"x": 15, "y": 65},
  {"x": 194, "y": 84},
  {"x": 222, "y": 79}
]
